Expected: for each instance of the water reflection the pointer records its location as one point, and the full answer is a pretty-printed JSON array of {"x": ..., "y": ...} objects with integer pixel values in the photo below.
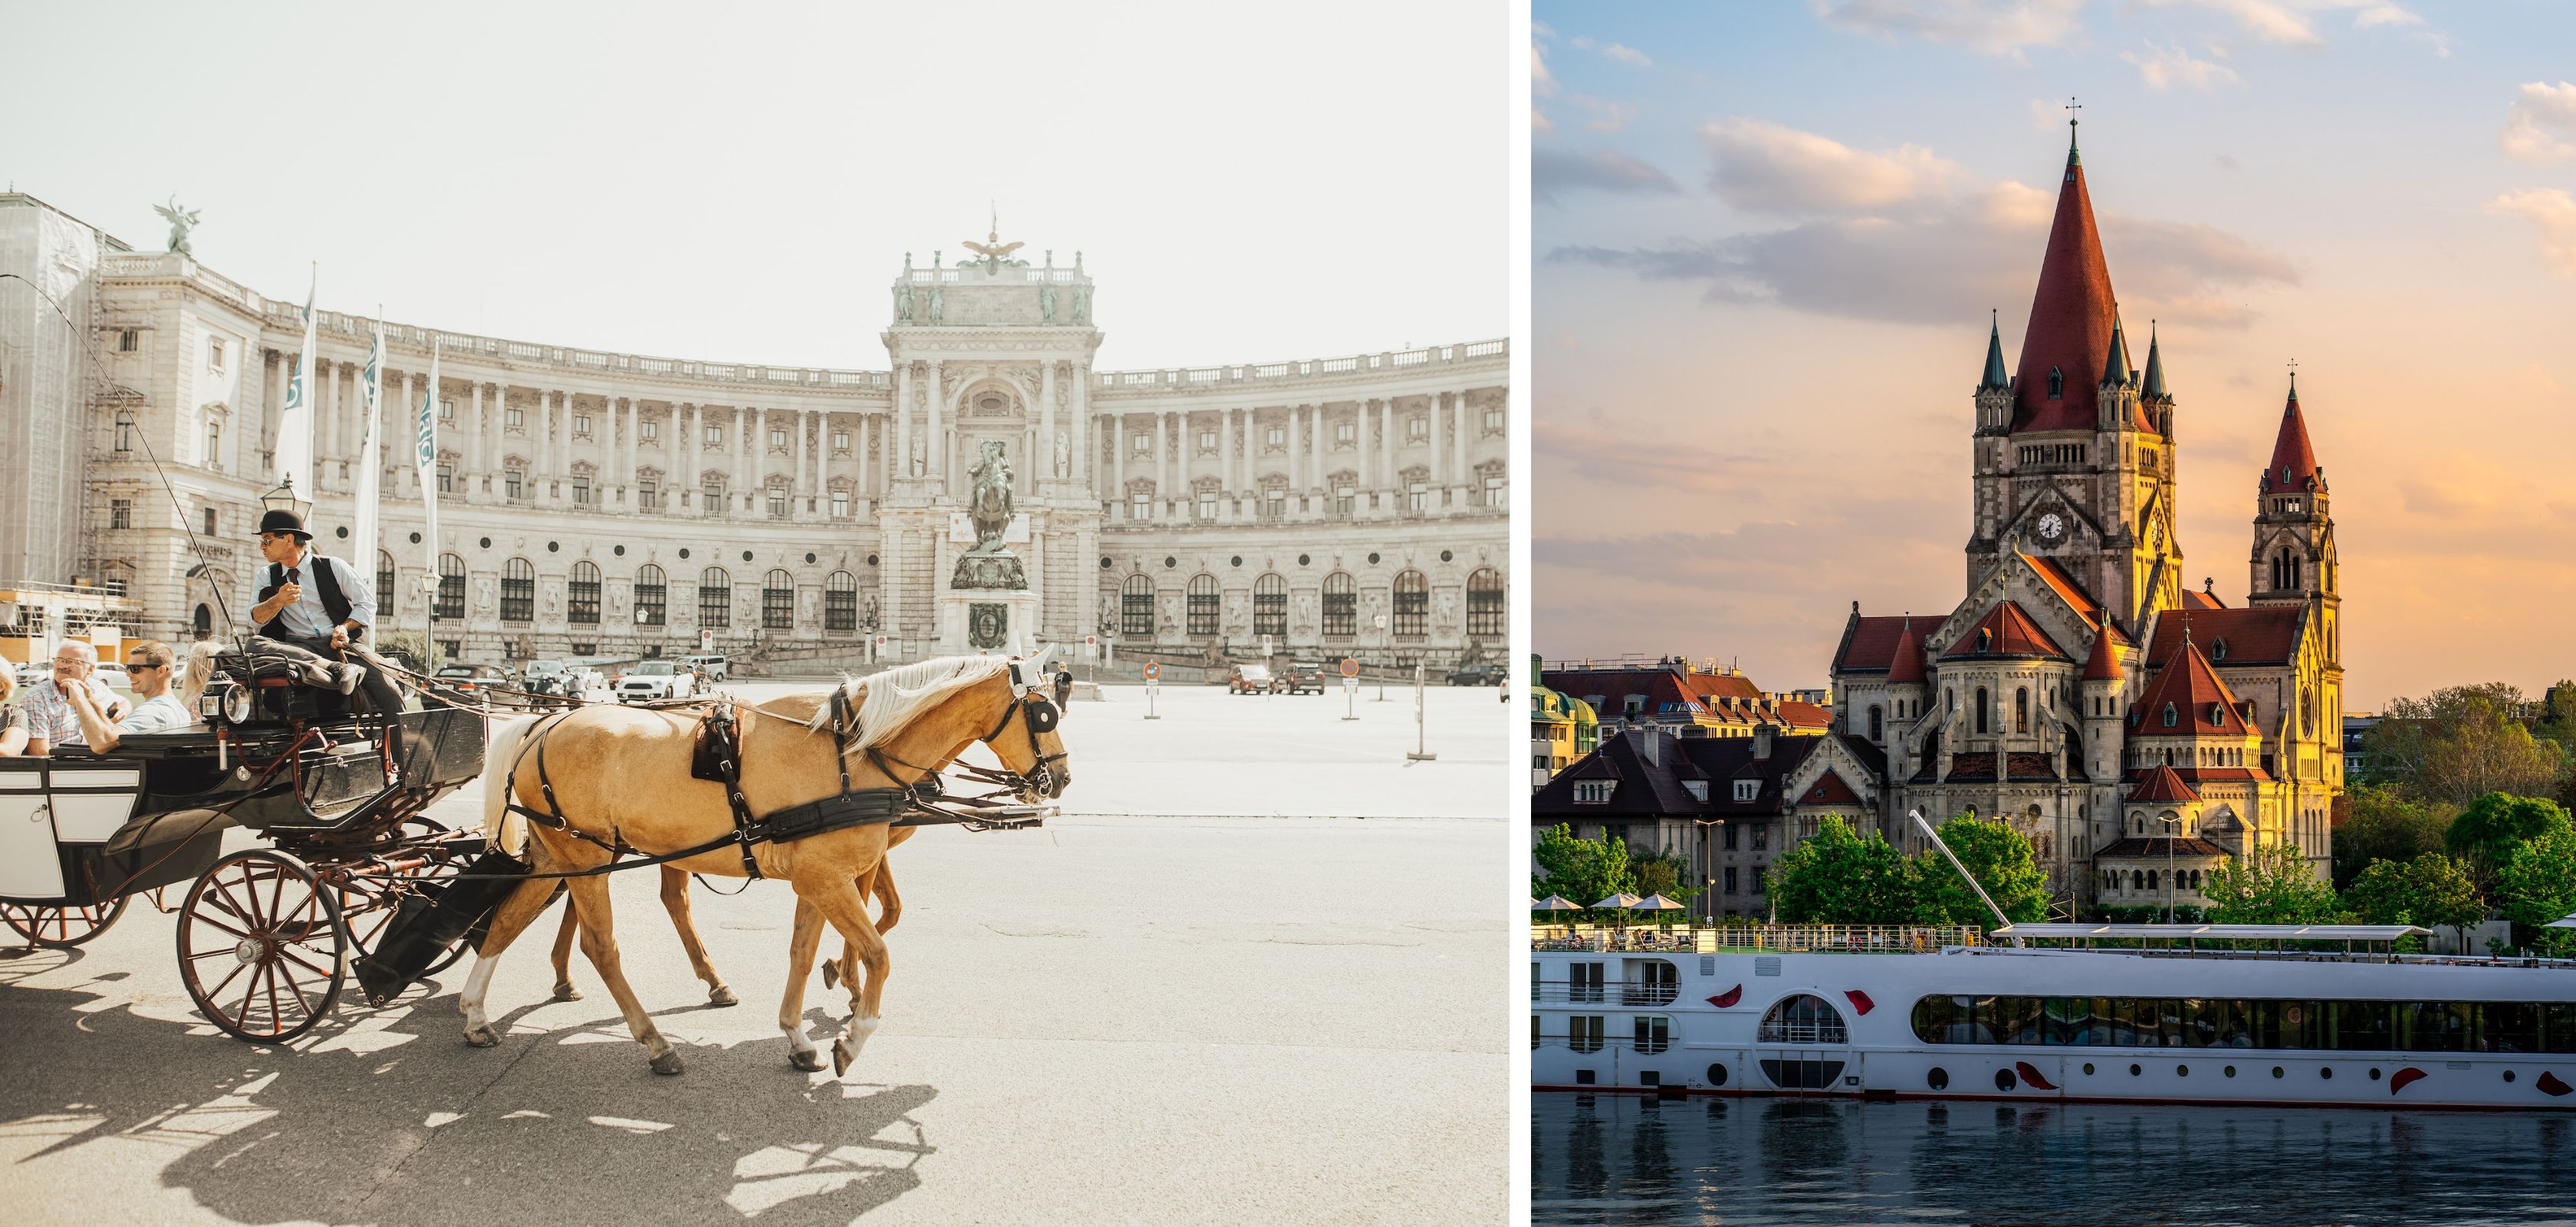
[{"x": 1627, "y": 1159}]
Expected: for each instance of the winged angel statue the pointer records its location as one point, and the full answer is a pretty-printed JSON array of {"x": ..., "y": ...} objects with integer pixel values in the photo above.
[{"x": 180, "y": 221}]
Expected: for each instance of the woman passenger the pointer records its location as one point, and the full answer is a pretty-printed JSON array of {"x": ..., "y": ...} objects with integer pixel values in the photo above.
[{"x": 13, "y": 722}]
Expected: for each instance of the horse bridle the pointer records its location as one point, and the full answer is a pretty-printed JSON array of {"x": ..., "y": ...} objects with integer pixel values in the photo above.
[{"x": 1037, "y": 715}]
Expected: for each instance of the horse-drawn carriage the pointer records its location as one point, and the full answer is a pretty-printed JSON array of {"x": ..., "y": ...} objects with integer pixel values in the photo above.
[{"x": 266, "y": 936}]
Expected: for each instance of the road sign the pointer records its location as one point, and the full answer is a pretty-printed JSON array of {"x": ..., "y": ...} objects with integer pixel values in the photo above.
[
  {"x": 1350, "y": 667},
  {"x": 1266, "y": 649},
  {"x": 1350, "y": 696},
  {"x": 706, "y": 642},
  {"x": 1153, "y": 671}
]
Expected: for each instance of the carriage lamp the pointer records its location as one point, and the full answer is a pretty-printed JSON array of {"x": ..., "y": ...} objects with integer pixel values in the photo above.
[{"x": 284, "y": 498}]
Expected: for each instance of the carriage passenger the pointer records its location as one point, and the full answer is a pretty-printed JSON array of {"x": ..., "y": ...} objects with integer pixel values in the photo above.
[
  {"x": 51, "y": 722},
  {"x": 13, "y": 722},
  {"x": 151, "y": 666}
]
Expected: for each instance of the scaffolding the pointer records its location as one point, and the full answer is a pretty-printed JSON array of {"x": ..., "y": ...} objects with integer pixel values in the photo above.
[{"x": 48, "y": 375}]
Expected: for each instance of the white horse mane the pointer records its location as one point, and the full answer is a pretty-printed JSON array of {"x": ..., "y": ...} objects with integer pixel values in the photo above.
[{"x": 889, "y": 700}]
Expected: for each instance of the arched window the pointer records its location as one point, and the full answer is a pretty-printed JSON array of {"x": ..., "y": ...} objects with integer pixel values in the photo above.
[
  {"x": 581, "y": 596},
  {"x": 2056, "y": 383},
  {"x": 1412, "y": 605},
  {"x": 651, "y": 591},
  {"x": 386, "y": 604},
  {"x": 1803, "y": 1018},
  {"x": 1203, "y": 606},
  {"x": 2172, "y": 716},
  {"x": 2151, "y": 879},
  {"x": 715, "y": 598},
  {"x": 1270, "y": 606},
  {"x": 1136, "y": 608},
  {"x": 451, "y": 587},
  {"x": 1876, "y": 725},
  {"x": 778, "y": 600},
  {"x": 518, "y": 591},
  {"x": 2021, "y": 710},
  {"x": 205, "y": 622},
  {"x": 2137, "y": 879},
  {"x": 1981, "y": 709},
  {"x": 1341, "y": 604},
  {"x": 841, "y": 602},
  {"x": 1488, "y": 607}
]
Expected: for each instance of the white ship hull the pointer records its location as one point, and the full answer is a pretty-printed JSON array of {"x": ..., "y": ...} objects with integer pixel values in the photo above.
[{"x": 2060, "y": 1024}]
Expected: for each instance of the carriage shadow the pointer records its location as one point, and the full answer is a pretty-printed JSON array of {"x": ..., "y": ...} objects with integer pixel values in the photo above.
[{"x": 402, "y": 1124}]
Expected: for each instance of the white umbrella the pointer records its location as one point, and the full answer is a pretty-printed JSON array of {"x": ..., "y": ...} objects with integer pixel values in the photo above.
[
  {"x": 1555, "y": 903},
  {"x": 2564, "y": 922},
  {"x": 1623, "y": 901},
  {"x": 1658, "y": 903}
]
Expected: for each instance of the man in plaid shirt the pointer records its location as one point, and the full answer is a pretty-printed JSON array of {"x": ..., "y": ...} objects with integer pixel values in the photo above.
[{"x": 51, "y": 722}]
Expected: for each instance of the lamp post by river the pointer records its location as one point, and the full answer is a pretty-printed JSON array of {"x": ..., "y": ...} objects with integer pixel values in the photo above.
[{"x": 2176, "y": 829}]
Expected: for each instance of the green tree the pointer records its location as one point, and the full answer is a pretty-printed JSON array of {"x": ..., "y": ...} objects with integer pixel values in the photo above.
[
  {"x": 2486, "y": 833},
  {"x": 1662, "y": 873},
  {"x": 2271, "y": 886},
  {"x": 2536, "y": 884},
  {"x": 2461, "y": 743},
  {"x": 1839, "y": 876},
  {"x": 2383, "y": 823},
  {"x": 1583, "y": 870},
  {"x": 2432, "y": 890},
  {"x": 2002, "y": 862}
]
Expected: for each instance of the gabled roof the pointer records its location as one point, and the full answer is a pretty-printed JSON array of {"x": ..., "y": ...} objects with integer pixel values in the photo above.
[
  {"x": 1660, "y": 788},
  {"x": 2162, "y": 786},
  {"x": 2068, "y": 588},
  {"x": 2293, "y": 460},
  {"x": 2196, "y": 600},
  {"x": 2070, "y": 317},
  {"x": 2202, "y": 703},
  {"x": 1829, "y": 789},
  {"x": 1869, "y": 646},
  {"x": 2140, "y": 847},
  {"x": 1804, "y": 716},
  {"x": 2005, "y": 631},
  {"x": 2263, "y": 635}
]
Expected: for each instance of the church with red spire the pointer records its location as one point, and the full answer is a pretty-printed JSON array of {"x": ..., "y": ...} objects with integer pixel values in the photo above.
[{"x": 2131, "y": 726}]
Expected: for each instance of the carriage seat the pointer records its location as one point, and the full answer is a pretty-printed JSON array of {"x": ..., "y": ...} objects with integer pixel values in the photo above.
[{"x": 267, "y": 662}]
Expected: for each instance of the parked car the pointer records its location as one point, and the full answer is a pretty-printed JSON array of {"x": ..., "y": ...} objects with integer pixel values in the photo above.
[
  {"x": 1303, "y": 677},
  {"x": 33, "y": 672},
  {"x": 113, "y": 674},
  {"x": 656, "y": 679},
  {"x": 1488, "y": 674},
  {"x": 712, "y": 668},
  {"x": 472, "y": 679},
  {"x": 1251, "y": 679}
]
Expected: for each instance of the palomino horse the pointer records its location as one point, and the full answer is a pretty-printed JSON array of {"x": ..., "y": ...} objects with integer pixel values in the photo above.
[
  {"x": 624, "y": 774},
  {"x": 675, "y": 901}
]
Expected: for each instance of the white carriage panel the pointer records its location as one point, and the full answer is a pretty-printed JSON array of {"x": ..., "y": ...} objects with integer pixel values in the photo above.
[
  {"x": 82, "y": 816},
  {"x": 30, "y": 867}
]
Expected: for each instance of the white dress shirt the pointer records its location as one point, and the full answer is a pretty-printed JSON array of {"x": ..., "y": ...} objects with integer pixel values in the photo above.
[{"x": 306, "y": 617}]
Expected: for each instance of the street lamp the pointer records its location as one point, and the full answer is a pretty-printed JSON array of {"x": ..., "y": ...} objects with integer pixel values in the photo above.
[
  {"x": 1382, "y": 642},
  {"x": 2174, "y": 822}
]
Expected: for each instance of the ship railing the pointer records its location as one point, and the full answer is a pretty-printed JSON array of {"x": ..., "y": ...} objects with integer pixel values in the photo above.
[
  {"x": 1722, "y": 939},
  {"x": 1571, "y": 992}
]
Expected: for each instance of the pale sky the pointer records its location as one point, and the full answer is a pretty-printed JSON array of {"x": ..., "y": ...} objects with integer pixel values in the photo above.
[
  {"x": 741, "y": 182},
  {"x": 1767, "y": 239}
]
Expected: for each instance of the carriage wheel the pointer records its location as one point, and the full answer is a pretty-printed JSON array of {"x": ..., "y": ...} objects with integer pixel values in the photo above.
[
  {"x": 61, "y": 927},
  {"x": 261, "y": 948}
]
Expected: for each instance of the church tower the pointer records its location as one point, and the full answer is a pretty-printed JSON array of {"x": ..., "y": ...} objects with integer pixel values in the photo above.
[
  {"x": 2073, "y": 457},
  {"x": 2294, "y": 550}
]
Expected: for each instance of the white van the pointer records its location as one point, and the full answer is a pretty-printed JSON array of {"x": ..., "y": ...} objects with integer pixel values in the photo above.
[{"x": 711, "y": 668}]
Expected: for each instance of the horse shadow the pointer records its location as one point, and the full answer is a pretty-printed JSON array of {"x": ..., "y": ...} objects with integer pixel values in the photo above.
[{"x": 403, "y": 1125}]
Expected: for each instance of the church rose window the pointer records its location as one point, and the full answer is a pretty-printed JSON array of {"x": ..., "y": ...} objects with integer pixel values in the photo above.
[
  {"x": 581, "y": 596},
  {"x": 1270, "y": 606},
  {"x": 1412, "y": 605},
  {"x": 1203, "y": 605},
  {"x": 651, "y": 591},
  {"x": 518, "y": 591},
  {"x": 778, "y": 601},
  {"x": 715, "y": 598},
  {"x": 1488, "y": 607},
  {"x": 840, "y": 602},
  {"x": 1341, "y": 604},
  {"x": 1136, "y": 608}
]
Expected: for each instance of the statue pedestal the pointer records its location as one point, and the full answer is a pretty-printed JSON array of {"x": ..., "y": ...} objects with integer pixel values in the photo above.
[
  {"x": 1000, "y": 622},
  {"x": 998, "y": 571}
]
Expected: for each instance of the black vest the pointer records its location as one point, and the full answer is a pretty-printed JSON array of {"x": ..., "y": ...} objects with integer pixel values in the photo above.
[{"x": 318, "y": 572}]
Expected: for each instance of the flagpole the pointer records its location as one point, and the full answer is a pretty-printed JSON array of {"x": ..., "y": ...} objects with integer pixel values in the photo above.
[
  {"x": 371, "y": 465},
  {"x": 425, "y": 464},
  {"x": 294, "y": 448}
]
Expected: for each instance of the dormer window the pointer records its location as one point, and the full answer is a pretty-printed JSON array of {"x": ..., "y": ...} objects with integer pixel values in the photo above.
[
  {"x": 1747, "y": 790},
  {"x": 2056, "y": 383},
  {"x": 1593, "y": 792},
  {"x": 2218, "y": 713},
  {"x": 1698, "y": 789},
  {"x": 2218, "y": 649},
  {"x": 2172, "y": 717}
]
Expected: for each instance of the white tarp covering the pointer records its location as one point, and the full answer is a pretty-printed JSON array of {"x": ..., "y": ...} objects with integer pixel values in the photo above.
[{"x": 2310, "y": 933}]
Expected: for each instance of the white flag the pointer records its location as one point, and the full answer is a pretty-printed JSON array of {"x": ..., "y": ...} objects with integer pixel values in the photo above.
[
  {"x": 425, "y": 461},
  {"x": 371, "y": 467},
  {"x": 294, "y": 452}
]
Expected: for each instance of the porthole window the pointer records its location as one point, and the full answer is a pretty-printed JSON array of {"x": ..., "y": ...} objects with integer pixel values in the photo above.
[
  {"x": 1938, "y": 1079},
  {"x": 343, "y": 530},
  {"x": 2134, "y": 1071},
  {"x": 684, "y": 551},
  {"x": 2277, "y": 1071},
  {"x": 2230, "y": 1071},
  {"x": 809, "y": 558},
  {"x": 872, "y": 560},
  {"x": 2182, "y": 1071},
  {"x": 1238, "y": 560},
  {"x": 1104, "y": 562},
  {"x": 746, "y": 555},
  {"x": 1717, "y": 1074},
  {"x": 415, "y": 538},
  {"x": 2325, "y": 1071},
  {"x": 486, "y": 543},
  {"x": 1802, "y": 1018},
  {"x": 1372, "y": 558},
  {"x": 1444, "y": 555},
  {"x": 1170, "y": 562},
  {"x": 2004, "y": 1080},
  {"x": 2374, "y": 1073},
  {"x": 620, "y": 551},
  {"x": 2508, "y": 1075},
  {"x": 2088, "y": 1069},
  {"x": 553, "y": 546},
  {"x": 1304, "y": 560}
]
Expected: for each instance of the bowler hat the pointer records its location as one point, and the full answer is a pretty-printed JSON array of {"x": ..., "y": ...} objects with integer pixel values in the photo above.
[{"x": 284, "y": 521}]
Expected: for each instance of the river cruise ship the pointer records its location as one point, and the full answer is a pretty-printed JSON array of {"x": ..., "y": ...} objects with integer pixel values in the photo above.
[{"x": 2321, "y": 1015}]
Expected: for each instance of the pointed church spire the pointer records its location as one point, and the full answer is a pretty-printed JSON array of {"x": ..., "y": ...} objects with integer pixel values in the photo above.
[
  {"x": 2070, "y": 317},
  {"x": 2155, "y": 381},
  {"x": 1995, "y": 376},
  {"x": 2294, "y": 461},
  {"x": 2115, "y": 362}
]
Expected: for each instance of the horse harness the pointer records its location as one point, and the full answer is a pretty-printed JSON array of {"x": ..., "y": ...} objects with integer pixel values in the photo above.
[{"x": 716, "y": 756}]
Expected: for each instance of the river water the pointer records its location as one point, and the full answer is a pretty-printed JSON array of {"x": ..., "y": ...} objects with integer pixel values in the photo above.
[{"x": 1632, "y": 1159}]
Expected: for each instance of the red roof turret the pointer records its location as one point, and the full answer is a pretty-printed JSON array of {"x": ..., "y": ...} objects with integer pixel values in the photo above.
[
  {"x": 2201, "y": 703},
  {"x": 1907, "y": 668},
  {"x": 2005, "y": 631},
  {"x": 2293, "y": 460},
  {"x": 2099, "y": 667},
  {"x": 2164, "y": 786}
]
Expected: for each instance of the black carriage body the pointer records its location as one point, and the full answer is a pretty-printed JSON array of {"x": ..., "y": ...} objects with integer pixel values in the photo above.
[{"x": 89, "y": 828}]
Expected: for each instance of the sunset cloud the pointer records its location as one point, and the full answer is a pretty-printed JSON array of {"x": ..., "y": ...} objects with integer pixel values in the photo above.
[
  {"x": 2541, "y": 126},
  {"x": 1770, "y": 169},
  {"x": 1987, "y": 27},
  {"x": 2166, "y": 67},
  {"x": 2553, "y": 212},
  {"x": 1555, "y": 171}
]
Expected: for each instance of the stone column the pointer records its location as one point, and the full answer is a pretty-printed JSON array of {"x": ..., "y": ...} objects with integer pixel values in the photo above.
[
  {"x": 1046, "y": 414},
  {"x": 902, "y": 457},
  {"x": 1460, "y": 431},
  {"x": 937, "y": 443},
  {"x": 542, "y": 431},
  {"x": 1083, "y": 432},
  {"x": 487, "y": 426},
  {"x": 796, "y": 485},
  {"x": 1439, "y": 442},
  {"x": 1296, "y": 471},
  {"x": 634, "y": 443},
  {"x": 738, "y": 480},
  {"x": 1118, "y": 461}
]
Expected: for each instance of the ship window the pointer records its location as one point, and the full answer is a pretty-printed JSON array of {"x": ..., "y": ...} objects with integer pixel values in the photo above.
[
  {"x": 2346, "y": 1026},
  {"x": 1803, "y": 1019}
]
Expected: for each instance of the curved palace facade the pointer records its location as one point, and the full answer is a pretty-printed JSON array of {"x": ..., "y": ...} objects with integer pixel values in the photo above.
[{"x": 614, "y": 504}]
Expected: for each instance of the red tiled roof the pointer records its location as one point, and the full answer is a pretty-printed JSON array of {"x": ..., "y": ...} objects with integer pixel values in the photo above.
[
  {"x": 2070, "y": 318},
  {"x": 2098, "y": 666},
  {"x": 2196, "y": 600},
  {"x": 1907, "y": 664},
  {"x": 1975, "y": 766},
  {"x": 2141, "y": 847},
  {"x": 1870, "y": 645},
  {"x": 1800, "y": 714},
  {"x": 2202, "y": 703},
  {"x": 2265, "y": 635},
  {"x": 2293, "y": 461},
  {"x": 2067, "y": 588},
  {"x": 1724, "y": 685},
  {"x": 2162, "y": 785},
  {"x": 1829, "y": 789},
  {"x": 2005, "y": 631}
]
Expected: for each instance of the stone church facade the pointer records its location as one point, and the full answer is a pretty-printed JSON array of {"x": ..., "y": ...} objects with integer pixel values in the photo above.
[
  {"x": 601, "y": 503},
  {"x": 2082, "y": 689}
]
